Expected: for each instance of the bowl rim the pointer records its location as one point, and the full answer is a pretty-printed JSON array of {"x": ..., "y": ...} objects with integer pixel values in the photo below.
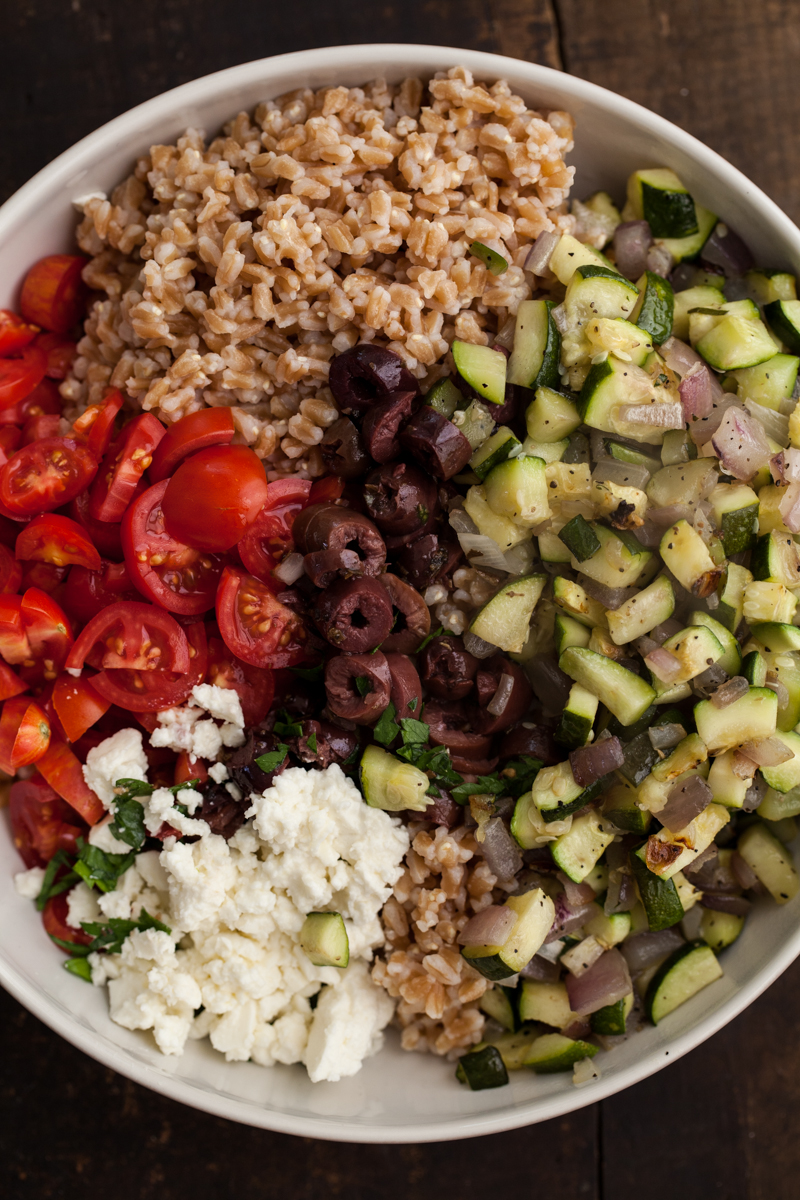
[{"x": 374, "y": 57}]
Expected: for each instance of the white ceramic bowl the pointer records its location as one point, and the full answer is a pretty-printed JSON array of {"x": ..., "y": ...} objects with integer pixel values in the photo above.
[{"x": 397, "y": 1097}]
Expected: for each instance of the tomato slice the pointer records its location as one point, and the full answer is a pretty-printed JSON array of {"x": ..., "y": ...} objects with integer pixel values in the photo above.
[
  {"x": 39, "y": 426},
  {"x": 41, "y": 823},
  {"x": 14, "y": 645},
  {"x": 131, "y": 635},
  {"x": 104, "y": 534},
  {"x": 54, "y": 919},
  {"x": 60, "y": 352},
  {"x": 10, "y": 684},
  {"x": 14, "y": 332},
  {"x": 269, "y": 539},
  {"x": 87, "y": 593},
  {"x": 78, "y": 706},
  {"x": 255, "y": 685},
  {"x": 327, "y": 490},
  {"x": 197, "y": 431},
  {"x": 55, "y": 539},
  {"x": 96, "y": 424},
  {"x": 53, "y": 292},
  {"x": 45, "y": 397},
  {"x": 123, "y": 467},
  {"x": 255, "y": 626},
  {"x": 164, "y": 570},
  {"x": 24, "y": 733},
  {"x": 153, "y": 691},
  {"x": 63, "y": 771},
  {"x": 187, "y": 768},
  {"x": 21, "y": 374},
  {"x": 213, "y": 497},
  {"x": 49, "y": 634},
  {"x": 10, "y": 439},
  {"x": 43, "y": 476},
  {"x": 10, "y": 571},
  {"x": 45, "y": 576}
]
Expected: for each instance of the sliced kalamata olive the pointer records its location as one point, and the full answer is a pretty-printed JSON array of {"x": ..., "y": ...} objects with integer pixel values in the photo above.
[
  {"x": 242, "y": 765},
  {"x": 536, "y": 741},
  {"x": 400, "y": 498},
  {"x": 358, "y": 686},
  {"x": 329, "y": 743},
  {"x": 428, "y": 558},
  {"x": 365, "y": 374},
  {"x": 381, "y": 425},
  {"x": 221, "y": 811},
  {"x": 354, "y": 615},
  {"x": 513, "y": 407},
  {"x": 442, "y": 810},
  {"x": 447, "y": 669},
  {"x": 412, "y": 619},
  {"x": 436, "y": 443},
  {"x": 516, "y": 699},
  {"x": 450, "y": 726},
  {"x": 337, "y": 541},
  {"x": 406, "y": 695},
  {"x": 343, "y": 451}
]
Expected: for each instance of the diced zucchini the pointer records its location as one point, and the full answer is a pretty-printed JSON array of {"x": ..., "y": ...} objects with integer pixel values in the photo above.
[
  {"x": 726, "y": 787},
  {"x": 677, "y": 448},
  {"x": 735, "y": 508},
  {"x": 482, "y": 1069},
  {"x": 770, "y": 862},
  {"x": 568, "y": 632},
  {"x": 749, "y": 719},
  {"x": 568, "y": 481},
  {"x": 483, "y": 369},
  {"x": 554, "y": 790},
  {"x": 776, "y": 560},
  {"x": 499, "y": 1003},
  {"x": 552, "y": 1052},
  {"x": 687, "y": 971},
  {"x": 444, "y": 397},
  {"x": 611, "y": 1020},
  {"x": 609, "y": 930},
  {"x": 592, "y": 292},
  {"x": 475, "y": 422},
  {"x": 731, "y": 591},
  {"x": 610, "y": 385},
  {"x": 505, "y": 620},
  {"x": 624, "y": 694},
  {"x": 637, "y": 616},
  {"x": 696, "y": 649},
  {"x": 577, "y": 850},
  {"x": 768, "y": 602},
  {"x": 502, "y": 530},
  {"x": 618, "y": 562},
  {"x": 731, "y": 660},
  {"x": 570, "y": 254},
  {"x": 769, "y": 506},
  {"x": 689, "y": 753},
  {"x": 535, "y": 915},
  {"x": 703, "y": 320},
  {"x": 690, "y": 246},
  {"x": 323, "y": 939},
  {"x": 690, "y": 842},
  {"x": 495, "y": 262},
  {"x": 786, "y": 775},
  {"x": 512, "y": 1047},
  {"x": 754, "y": 669},
  {"x": 658, "y": 197},
  {"x": 494, "y": 450},
  {"x": 552, "y": 549},
  {"x": 580, "y": 538},
  {"x": 686, "y": 555},
  {"x": 619, "y": 337},
  {"x": 683, "y": 483},
  {"x": 573, "y": 600},
  {"x": 777, "y": 636},
  {"x": 720, "y": 929},
  {"x": 770, "y": 382},
  {"x": 655, "y": 308},
  {"x": 777, "y": 806},
  {"x": 517, "y": 489},
  {"x": 577, "y": 718},
  {"x": 783, "y": 318},
  {"x": 659, "y": 896},
  {"x": 688, "y": 894},
  {"x": 604, "y": 210},
  {"x": 537, "y": 346},
  {"x": 625, "y": 506},
  {"x": 548, "y": 452},
  {"x": 551, "y": 416},
  {"x": 736, "y": 342},
  {"x": 702, "y": 296},
  {"x": 391, "y": 784},
  {"x": 766, "y": 286},
  {"x": 545, "y": 1002},
  {"x": 621, "y": 809}
]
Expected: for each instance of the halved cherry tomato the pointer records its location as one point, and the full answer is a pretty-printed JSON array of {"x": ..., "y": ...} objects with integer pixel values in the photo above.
[
  {"x": 164, "y": 570},
  {"x": 54, "y": 919},
  {"x": 45, "y": 397},
  {"x": 44, "y": 576},
  {"x": 21, "y": 374},
  {"x": 60, "y": 352},
  {"x": 187, "y": 768},
  {"x": 87, "y": 593},
  {"x": 213, "y": 496},
  {"x": 24, "y": 733},
  {"x": 14, "y": 645},
  {"x": 9, "y": 531},
  {"x": 41, "y": 823},
  {"x": 10, "y": 571},
  {"x": 41, "y": 425},
  {"x": 123, "y": 467},
  {"x": 53, "y": 292},
  {"x": 197, "y": 431},
  {"x": 255, "y": 626},
  {"x": 327, "y": 490},
  {"x": 43, "y": 476},
  {"x": 14, "y": 332},
  {"x": 131, "y": 635},
  {"x": 55, "y": 539},
  {"x": 49, "y": 633},
  {"x": 96, "y": 424},
  {"x": 77, "y": 705},
  {"x": 104, "y": 534},
  {"x": 269, "y": 539},
  {"x": 63, "y": 771},
  {"x": 153, "y": 691},
  {"x": 10, "y": 439},
  {"x": 254, "y": 685},
  {"x": 10, "y": 684}
]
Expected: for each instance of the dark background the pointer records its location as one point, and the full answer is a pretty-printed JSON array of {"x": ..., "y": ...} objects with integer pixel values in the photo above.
[{"x": 721, "y": 1123}]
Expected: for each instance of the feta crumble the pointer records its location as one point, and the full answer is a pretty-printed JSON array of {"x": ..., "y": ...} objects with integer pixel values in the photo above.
[
  {"x": 120, "y": 756},
  {"x": 193, "y": 728},
  {"x": 28, "y": 883}
]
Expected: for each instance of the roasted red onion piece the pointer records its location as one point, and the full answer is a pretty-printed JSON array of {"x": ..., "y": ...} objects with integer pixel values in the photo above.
[
  {"x": 490, "y": 927},
  {"x": 730, "y": 691},
  {"x": 632, "y": 240},
  {"x": 770, "y": 752},
  {"x": 606, "y": 982},
  {"x": 669, "y": 515},
  {"x": 679, "y": 357},
  {"x": 697, "y": 392},
  {"x": 500, "y": 851},
  {"x": 592, "y": 762},
  {"x": 664, "y": 737},
  {"x": 664, "y": 665},
  {"x": 541, "y": 969},
  {"x": 703, "y": 429},
  {"x": 577, "y": 893},
  {"x": 744, "y": 874},
  {"x": 644, "y": 949},
  {"x": 686, "y": 801},
  {"x": 727, "y": 250},
  {"x": 738, "y": 906},
  {"x": 609, "y": 597},
  {"x": 790, "y": 507},
  {"x": 741, "y": 444},
  {"x": 567, "y": 919},
  {"x": 541, "y": 252}
]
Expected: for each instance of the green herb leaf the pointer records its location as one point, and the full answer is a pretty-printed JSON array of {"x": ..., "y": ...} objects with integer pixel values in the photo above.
[
  {"x": 486, "y": 785},
  {"x": 311, "y": 742},
  {"x": 412, "y": 704},
  {"x": 71, "y": 947},
  {"x": 433, "y": 634},
  {"x": 273, "y": 758},
  {"x": 285, "y": 727},
  {"x": 128, "y": 823},
  {"x": 386, "y": 729},
  {"x": 135, "y": 787},
  {"x": 50, "y": 887},
  {"x": 109, "y": 935},
  {"x": 414, "y": 731},
  {"x": 312, "y": 674},
  {"x": 494, "y": 261},
  {"x": 363, "y": 684},
  {"x": 100, "y": 869},
  {"x": 79, "y": 967}
]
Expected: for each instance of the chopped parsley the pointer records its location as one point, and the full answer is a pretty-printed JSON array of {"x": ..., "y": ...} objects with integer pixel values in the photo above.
[
  {"x": 386, "y": 729},
  {"x": 311, "y": 741},
  {"x": 100, "y": 869},
  {"x": 109, "y": 935},
  {"x": 128, "y": 823},
  {"x": 273, "y": 758},
  {"x": 363, "y": 684},
  {"x": 433, "y": 634},
  {"x": 285, "y": 727}
]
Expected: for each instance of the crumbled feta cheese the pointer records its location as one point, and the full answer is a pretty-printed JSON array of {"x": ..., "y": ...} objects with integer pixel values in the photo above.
[
  {"x": 29, "y": 883},
  {"x": 218, "y": 772},
  {"x": 186, "y": 728},
  {"x": 120, "y": 756},
  {"x": 159, "y": 809},
  {"x": 347, "y": 1026},
  {"x": 222, "y": 703},
  {"x": 100, "y": 835},
  {"x": 234, "y": 790},
  {"x": 81, "y": 905}
]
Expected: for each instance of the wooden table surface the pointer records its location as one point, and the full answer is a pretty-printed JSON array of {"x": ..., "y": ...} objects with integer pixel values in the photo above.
[{"x": 716, "y": 1125}]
